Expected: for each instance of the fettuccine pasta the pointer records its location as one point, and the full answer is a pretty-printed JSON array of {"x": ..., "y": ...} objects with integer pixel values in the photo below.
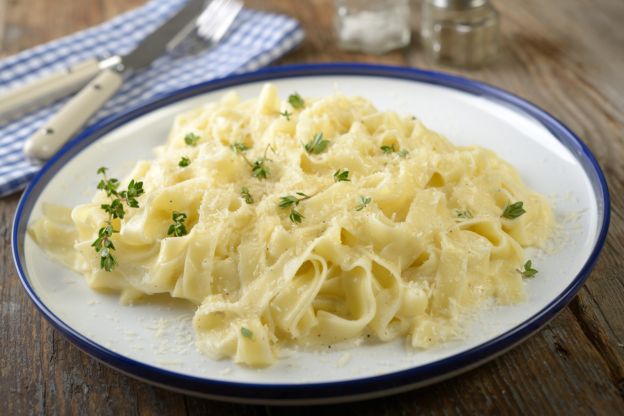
[{"x": 403, "y": 244}]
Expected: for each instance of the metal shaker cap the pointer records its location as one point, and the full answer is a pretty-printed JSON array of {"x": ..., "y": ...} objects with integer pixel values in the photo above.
[{"x": 457, "y": 4}]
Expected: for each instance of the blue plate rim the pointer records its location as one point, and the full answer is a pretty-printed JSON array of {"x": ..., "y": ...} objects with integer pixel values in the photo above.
[{"x": 326, "y": 391}]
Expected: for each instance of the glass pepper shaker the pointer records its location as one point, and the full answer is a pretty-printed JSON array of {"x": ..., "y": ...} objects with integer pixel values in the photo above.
[
  {"x": 372, "y": 26},
  {"x": 460, "y": 32}
]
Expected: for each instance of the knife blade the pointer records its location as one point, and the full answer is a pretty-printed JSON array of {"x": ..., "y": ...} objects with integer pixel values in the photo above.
[
  {"x": 155, "y": 44},
  {"x": 74, "y": 115}
]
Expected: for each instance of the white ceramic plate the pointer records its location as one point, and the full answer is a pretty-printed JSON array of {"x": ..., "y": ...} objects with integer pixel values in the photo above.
[{"x": 154, "y": 341}]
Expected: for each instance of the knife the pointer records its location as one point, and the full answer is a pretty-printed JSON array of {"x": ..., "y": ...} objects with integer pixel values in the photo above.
[
  {"x": 74, "y": 115},
  {"x": 51, "y": 87}
]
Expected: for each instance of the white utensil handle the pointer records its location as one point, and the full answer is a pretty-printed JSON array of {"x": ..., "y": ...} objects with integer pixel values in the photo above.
[
  {"x": 48, "y": 88},
  {"x": 61, "y": 127}
]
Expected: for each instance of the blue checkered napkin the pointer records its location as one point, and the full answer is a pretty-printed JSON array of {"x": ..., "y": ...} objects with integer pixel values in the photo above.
[{"x": 256, "y": 39}]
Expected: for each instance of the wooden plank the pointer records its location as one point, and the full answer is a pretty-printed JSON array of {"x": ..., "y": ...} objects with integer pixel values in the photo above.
[
  {"x": 545, "y": 375},
  {"x": 27, "y": 23},
  {"x": 564, "y": 55}
]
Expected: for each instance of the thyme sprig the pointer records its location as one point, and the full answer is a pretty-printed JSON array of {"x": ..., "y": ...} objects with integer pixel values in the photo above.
[
  {"x": 103, "y": 244},
  {"x": 259, "y": 167},
  {"x": 292, "y": 201}
]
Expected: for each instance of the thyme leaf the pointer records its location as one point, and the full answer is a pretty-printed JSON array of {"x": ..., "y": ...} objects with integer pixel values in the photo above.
[
  {"x": 341, "y": 175},
  {"x": 295, "y": 216},
  {"x": 528, "y": 271},
  {"x": 239, "y": 147},
  {"x": 513, "y": 211},
  {"x": 184, "y": 162},
  {"x": 296, "y": 101},
  {"x": 363, "y": 201},
  {"x": 246, "y": 332},
  {"x": 191, "y": 139},
  {"x": 316, "y": 145},
  {"x": 465, "y": 214},
  {"x": 246, "y": 195}
]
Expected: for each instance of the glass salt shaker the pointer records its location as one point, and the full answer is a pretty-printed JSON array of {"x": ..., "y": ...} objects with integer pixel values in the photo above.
[
  {"x": 372, "y": 26},
  {"x": 460, "y": 32}
]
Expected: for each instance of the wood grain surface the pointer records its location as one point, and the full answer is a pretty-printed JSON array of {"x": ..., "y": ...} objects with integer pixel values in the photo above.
[{"x": 567, "y": 56}]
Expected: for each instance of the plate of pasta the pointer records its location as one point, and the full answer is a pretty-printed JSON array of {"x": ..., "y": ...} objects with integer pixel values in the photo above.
[{"x": 317, "y": 233}]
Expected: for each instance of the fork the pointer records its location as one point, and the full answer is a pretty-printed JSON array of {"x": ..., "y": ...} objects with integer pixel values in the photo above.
[{"x": 209, "y": 29}]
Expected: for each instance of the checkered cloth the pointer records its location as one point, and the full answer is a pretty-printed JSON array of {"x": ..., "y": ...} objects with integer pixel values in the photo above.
[{"x": 255, "y": 40}]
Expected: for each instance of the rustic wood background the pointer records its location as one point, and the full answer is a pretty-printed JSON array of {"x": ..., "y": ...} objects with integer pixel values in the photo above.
[{"x": 566, "y": 56}]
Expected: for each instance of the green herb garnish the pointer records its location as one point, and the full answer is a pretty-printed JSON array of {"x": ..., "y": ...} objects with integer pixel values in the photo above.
[
  {"x": 296, "y": 101},
  {"x": 104, "y": 246},
  {"x": 465, "y": 214},
  {"x": 246, "y": 195},
  {"x": 295, "y": 216},
  {"x": 191, "y": 139},
  {"x": 291, "y": 201},
  {"x": 184, "y": 162},
  {"x": 259, "y": 168},
  {"x": 286, "y": 114},
  {"x": 239, "y": 147},
  {"x": 317, "y": 144},
  {"x": 528, "y": 270},
  {"x": 108, "y": 185},
  {"x": 177, "y": 229},
  {"x": 115, "y": 209},
  {"x": 341, "y": 175},
  {"x": 513, "y": 211},
  {"x": 390, "y": 149},
  {"x": 363, "y": 201},
  {"x": 135, "y": 189},
  {"x": 246, "y": 332}
]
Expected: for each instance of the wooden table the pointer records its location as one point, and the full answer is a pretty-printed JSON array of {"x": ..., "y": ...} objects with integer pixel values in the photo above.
[{"x": 566, "y": 56}]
